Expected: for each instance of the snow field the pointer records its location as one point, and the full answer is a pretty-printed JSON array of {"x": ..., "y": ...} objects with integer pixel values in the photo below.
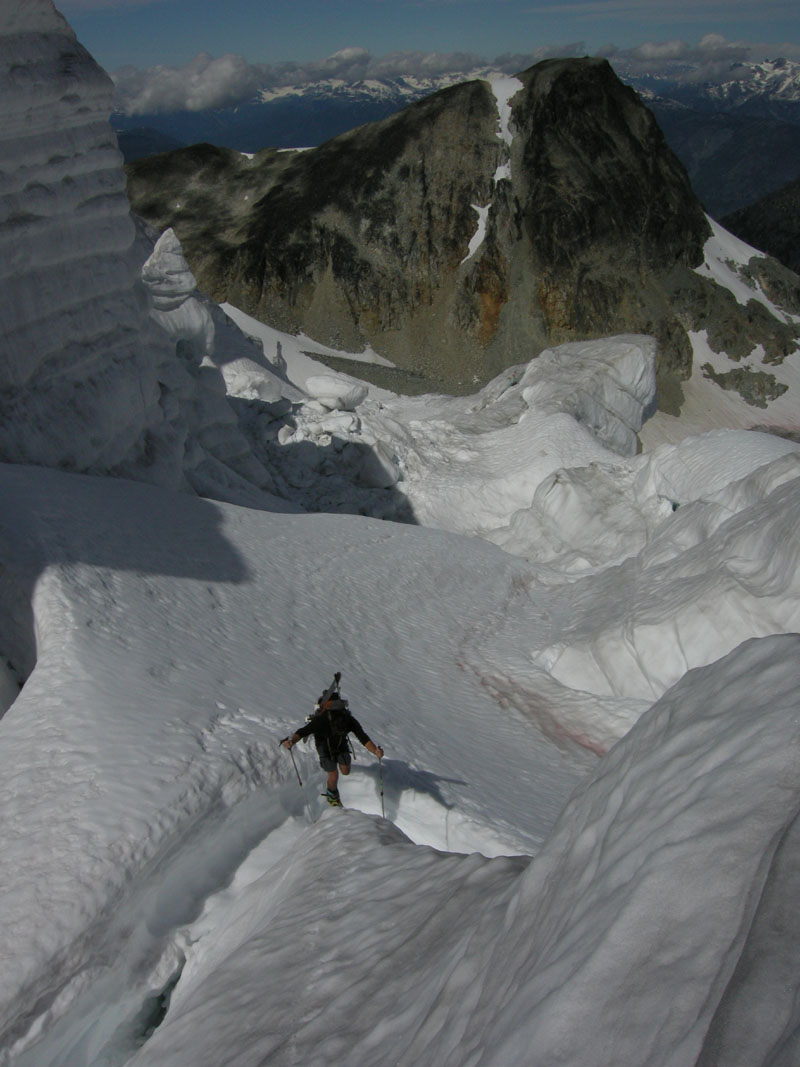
[
  {"x": 170, "y": 894},
  {"x": 642, "y": 921},
  {"x": 170, "y": 633},
  {"x": 723, "y": 254},
  {"x": 147, "y": 719},
  {"x": 534, "y": 464}
]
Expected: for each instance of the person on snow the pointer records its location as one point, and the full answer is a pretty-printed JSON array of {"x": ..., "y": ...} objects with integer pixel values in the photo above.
[{"x": 330, "y": 725}]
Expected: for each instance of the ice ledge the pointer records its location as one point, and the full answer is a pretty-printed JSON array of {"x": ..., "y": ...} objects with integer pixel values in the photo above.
[{"x": 617, "y": 379}]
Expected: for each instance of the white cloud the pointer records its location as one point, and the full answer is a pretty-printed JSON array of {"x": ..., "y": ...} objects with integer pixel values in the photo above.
[
  {"x": 207, "y": 82},
  {"x": 203, "y": 82},
  {"x": 710, "y": 60}
]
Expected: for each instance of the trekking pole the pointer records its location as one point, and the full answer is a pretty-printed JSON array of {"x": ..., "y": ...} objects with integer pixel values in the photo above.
[
  {"x": 299, "y": 779},
  {"x": 380, "y": 777}
]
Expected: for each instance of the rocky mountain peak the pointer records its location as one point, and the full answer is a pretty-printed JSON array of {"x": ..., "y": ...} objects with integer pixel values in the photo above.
[
  {"x": 459, "y": 236},
  {"x": 597, "y": 171}
]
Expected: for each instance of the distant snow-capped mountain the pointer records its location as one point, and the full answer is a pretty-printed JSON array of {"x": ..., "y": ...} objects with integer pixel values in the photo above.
[
  {"x": 288, "y": 116},
  {"x": 770, "y": 88},
  {"x": 405, "y": 89},
  {"x": 777, "y": 80},
  {"x": 737, "y": 134}
]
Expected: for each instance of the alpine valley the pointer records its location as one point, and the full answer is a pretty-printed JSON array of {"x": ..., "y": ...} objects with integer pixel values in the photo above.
[{"x": 497, "y": 422}]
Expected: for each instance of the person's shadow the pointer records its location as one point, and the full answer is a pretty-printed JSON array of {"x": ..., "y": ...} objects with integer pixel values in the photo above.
[{"x": 397, "y": 777}]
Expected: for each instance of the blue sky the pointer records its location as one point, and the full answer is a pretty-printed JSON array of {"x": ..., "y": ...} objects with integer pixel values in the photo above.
[{"x": 171, "y": 32}]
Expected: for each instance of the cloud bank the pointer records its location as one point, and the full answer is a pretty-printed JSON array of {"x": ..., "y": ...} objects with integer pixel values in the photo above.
[
  {"x": 209, "y": 82},
  {"x": 709, "y": 61}
]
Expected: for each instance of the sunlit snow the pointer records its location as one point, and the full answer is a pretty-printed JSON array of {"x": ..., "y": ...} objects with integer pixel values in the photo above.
[
  {"x": 479, "y": 236},
  {"x": 723, "y": 254},
  {"x": 503, "y": 89},
  {"x": 580, "y": 657}
]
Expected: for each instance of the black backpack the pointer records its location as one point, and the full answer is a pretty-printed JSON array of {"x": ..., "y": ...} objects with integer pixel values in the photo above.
[{"x": 337, "y": 713}]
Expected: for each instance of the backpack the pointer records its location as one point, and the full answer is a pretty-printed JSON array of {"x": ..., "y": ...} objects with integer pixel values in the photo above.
[{"x": 338, "y": 714}]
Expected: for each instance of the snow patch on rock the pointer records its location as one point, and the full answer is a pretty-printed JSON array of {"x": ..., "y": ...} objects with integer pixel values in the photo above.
[
  {"x": 725, "y": 254},
  {"x": 503, "y": 89}
]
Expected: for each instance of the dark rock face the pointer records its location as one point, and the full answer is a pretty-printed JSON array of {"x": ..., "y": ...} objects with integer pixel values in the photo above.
[
  {"x": 366, "y": 239},
  {"x": 362, "y": 239},
  {"x": 732, "y": 159},
  {"x": 772, "y": 225},
  {"x": 608, "y": 209}
]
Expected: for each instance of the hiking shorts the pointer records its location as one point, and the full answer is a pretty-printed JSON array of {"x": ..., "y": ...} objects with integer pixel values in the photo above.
[{"x": 328, "y": 764}]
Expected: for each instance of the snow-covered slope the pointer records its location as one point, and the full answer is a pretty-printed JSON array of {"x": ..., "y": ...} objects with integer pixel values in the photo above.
[
  {"x": 581, "y": 845},
  {"x": 170, "y": 642},
  {"x": 651, "y": 929},
  {"x": 177, "y": 640},
  {"x": 743, "y": 385}
]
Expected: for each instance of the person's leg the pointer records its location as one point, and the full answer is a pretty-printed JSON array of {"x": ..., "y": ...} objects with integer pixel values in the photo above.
[
  {"x": 329, "y": 766},
  {"x": 333, "y": 776}
]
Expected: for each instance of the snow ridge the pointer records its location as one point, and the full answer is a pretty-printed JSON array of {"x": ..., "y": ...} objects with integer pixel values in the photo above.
[{"x": 667, "y": 868}]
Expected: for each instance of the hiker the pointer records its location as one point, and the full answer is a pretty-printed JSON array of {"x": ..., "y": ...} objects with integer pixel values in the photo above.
[{"x": 330, "y": 724}]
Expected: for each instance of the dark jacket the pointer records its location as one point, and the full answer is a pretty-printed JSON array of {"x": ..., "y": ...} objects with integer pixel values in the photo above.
[{"x": 330, "y": 728}]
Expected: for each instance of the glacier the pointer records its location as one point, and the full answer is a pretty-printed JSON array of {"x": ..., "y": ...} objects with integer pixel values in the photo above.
[{"x": 579, "y": 650}]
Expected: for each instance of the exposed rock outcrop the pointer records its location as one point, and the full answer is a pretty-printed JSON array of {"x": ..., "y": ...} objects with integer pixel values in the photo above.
[
  {"x": 772, "y": 223},
  {"x": 451, "y": 246}
]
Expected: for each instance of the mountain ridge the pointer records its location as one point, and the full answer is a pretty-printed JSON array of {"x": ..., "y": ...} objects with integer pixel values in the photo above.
[
  {"x": 756, "y": 112},
  {"x": 772, "y": 223},
  {"x": 590, "y": 229}
]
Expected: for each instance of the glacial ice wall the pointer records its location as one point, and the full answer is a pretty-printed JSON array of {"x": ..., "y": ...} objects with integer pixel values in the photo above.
[
  {"x": 89, "y": 381},
  {"x": 71, "y": 317}
]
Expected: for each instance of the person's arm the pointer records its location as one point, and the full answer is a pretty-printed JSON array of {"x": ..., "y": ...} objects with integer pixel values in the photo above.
[
  {"x": 298, "y": 735},
  {"x": 360, "y": 733}
]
